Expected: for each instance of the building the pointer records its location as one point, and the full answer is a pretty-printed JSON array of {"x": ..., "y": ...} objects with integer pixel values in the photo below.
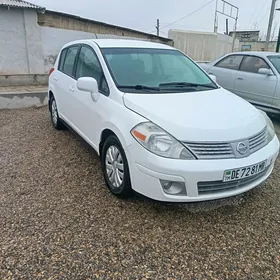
[
  {"x": 32, "y": 36},
  {"x": 246, "y": 36},
  {"x": 202, "y": 46}
]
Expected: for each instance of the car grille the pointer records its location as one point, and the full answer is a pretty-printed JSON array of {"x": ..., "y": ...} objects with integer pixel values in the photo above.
[
  {"x": 213, "y": 187},
  {"x": 258, "y": 141},
  {"x": 211, "y": 151},
  {"x": 226, "y": 150}
]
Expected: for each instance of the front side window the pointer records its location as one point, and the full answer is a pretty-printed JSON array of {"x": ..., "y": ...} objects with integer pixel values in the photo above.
[
  {"x": 275, "y": 60},
  {"x": 88, "y": 66},
  {"x": 253, "y": 64},
  {"x": 69, "y": 61},
  {"x": 155, "y": 69},
  {"x": 231, "y": 62}
]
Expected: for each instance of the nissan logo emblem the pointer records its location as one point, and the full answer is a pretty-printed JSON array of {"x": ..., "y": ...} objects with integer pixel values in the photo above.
[{"x": 242, "y": 148}]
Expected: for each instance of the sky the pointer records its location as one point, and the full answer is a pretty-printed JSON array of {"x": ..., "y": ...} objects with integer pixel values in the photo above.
[{"x": 142, "y": 14}]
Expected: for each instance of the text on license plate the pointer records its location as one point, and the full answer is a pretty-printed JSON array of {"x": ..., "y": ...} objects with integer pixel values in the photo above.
[{"x": 244, "y": 172}]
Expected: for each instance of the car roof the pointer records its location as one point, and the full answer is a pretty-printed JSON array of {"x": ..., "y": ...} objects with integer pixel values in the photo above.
[
  {"x": 261, "y": 54},
  {"x": 121, "y": 43}
]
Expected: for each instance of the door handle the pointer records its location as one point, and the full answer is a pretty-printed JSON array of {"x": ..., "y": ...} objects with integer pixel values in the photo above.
[
  {"x": 241, "y": 79},
  {"x": 71, "y": 89},
  {"x": 210, "y": 73}
]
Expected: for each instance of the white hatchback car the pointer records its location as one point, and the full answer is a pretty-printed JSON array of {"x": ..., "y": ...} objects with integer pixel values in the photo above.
[{"x": 160, "y": 124}]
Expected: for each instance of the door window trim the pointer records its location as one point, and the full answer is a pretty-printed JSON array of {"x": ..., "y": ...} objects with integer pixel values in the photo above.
[
  {"x": 98, "y": 61},
  {"x": 59, "y": 64},
  {"x": 249, "y": 55}
]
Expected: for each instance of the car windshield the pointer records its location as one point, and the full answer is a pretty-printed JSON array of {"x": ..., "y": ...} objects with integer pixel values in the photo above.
[
  {"x": 139, "y": 70},
  {"x": 275, "y": 60}
]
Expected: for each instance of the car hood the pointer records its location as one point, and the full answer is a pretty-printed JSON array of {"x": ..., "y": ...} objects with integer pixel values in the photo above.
[{"x": 212, "y": 115}]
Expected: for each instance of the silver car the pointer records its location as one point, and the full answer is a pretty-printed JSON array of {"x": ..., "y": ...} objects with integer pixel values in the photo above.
[{"x": 254, "y": 76}]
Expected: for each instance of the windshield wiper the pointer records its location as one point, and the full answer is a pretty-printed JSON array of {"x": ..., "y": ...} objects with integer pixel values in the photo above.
[
  {"x": 184, "y": 84},
  {"x": 140, "y": 87}
]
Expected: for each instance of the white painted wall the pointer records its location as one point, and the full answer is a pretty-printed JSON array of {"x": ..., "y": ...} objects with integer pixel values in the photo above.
[
  {"x": 13, "y": 58},
  {"x": 202, "y": 46},
  {"x": 53, "y": 40},
  {"x": 27, "y": 48}
]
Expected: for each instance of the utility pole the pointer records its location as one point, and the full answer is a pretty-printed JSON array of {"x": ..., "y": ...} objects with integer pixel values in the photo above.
[
  {"x": 157, "y": 27},
  {"x": 227, "y": 26},
  {"x": 278, "y": 42},
  {"x": 272, "y": 10},
  {"x": 278, "y": 39},
  {"x": 216, "y": 18}
]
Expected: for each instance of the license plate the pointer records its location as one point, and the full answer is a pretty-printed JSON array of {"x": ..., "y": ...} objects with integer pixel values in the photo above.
[{"x": 244, "y": 172}]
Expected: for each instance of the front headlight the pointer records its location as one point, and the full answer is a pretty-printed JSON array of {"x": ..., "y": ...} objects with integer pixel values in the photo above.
[
  {"x": 159, "y": 142},
  {"x": 270, "y": 127}
]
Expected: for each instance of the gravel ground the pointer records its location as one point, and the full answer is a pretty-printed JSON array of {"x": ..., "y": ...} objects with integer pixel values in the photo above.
[{"x": 58, "y": 220}]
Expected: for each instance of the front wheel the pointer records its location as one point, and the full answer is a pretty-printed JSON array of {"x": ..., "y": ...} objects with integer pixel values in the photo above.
[{"x": 115, "y": 168}]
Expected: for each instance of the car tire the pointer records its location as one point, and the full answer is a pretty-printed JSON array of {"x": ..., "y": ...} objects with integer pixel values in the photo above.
[
  {"x": 56, "y": 121},
  {"x": 115, "y": 168}
]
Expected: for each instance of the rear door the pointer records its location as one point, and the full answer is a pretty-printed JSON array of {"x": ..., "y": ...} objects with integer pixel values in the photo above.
[
  {"x": 225, "y": 71},
  {"x": 65, "y": 82},
  {"x": 257, "y": 88}
]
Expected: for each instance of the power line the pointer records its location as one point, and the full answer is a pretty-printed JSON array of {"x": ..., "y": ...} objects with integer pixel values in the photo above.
[
  {"x": 188, "y": 14},
  {"x": 263, "y": 8},
  {"x": 252, "y": 15}
]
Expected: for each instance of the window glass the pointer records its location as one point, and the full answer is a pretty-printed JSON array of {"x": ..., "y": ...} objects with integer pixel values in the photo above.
[
  {"x": 88, "y": 66},
  {"x": 62, "y": 58},
  {"x": 252, "y": 64},
  {"x": 275, "y": 60},
  {"x": 231, "y": 62},
  {"x": 69, "y": 61},
  {"x": 153, "y": 67}
]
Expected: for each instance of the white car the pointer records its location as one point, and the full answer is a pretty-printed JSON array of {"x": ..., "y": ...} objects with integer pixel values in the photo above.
[
  {"x": 160, "y": 124},
  {"x": 254, "y": 76}
]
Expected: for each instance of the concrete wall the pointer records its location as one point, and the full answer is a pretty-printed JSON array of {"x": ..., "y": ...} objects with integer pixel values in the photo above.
[
  {"x": 30, "y": 41},
  {"x": 258, "y": 46},
  {"x": 13, "y": 58},
  {"x": 202, "y": 46},
  {"x": 20, "y": 48},
  {"x": 53, "y": 39}
]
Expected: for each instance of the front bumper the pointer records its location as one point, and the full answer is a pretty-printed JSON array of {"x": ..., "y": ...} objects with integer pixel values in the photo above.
[{"x": 147, "y": 169}]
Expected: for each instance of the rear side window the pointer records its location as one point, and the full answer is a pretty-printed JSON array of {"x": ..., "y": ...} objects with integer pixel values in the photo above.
[
  {"x": 62, "y": 59},
  {"x": 69, "y": 61},
  {"x": 253, "y": 64},
  {"x": 231, "y": 62}
]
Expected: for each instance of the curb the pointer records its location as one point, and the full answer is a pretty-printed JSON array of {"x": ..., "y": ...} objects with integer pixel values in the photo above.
[{"x": 15, "y": 100}]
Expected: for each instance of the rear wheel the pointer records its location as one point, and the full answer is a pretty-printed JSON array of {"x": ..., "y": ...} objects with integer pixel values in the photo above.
[
  {"x": 56, "y": 121},
  {"x": 115, "y": 167}
]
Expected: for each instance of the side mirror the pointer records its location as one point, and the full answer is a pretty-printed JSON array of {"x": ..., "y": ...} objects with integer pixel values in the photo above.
[
  {"x": 87, "y": 84},
  {"x": 213, "y": 78},
  {"x": 265, "y": 71}
]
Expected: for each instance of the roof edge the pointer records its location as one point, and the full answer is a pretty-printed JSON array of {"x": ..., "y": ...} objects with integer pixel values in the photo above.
[
  {"x": 110, "y": 25},
  {"x": 21, "y": 4}
]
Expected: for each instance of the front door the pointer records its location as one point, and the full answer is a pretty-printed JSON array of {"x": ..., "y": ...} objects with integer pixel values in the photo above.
[
  {"x": 88, "y": 115},
  {"x": 257, "y": 88},
  {"x": 225, "y": 71}
]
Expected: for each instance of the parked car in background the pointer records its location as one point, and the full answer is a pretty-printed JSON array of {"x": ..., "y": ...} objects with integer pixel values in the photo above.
[
  {"x": 161, "y": 125},
  {"x": 254, "y": 76}
]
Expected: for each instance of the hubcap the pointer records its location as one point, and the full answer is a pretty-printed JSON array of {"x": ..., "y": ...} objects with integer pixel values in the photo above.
[
  {"x": 54, "y": 112},
  {"x": 114, "y": 166}
]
